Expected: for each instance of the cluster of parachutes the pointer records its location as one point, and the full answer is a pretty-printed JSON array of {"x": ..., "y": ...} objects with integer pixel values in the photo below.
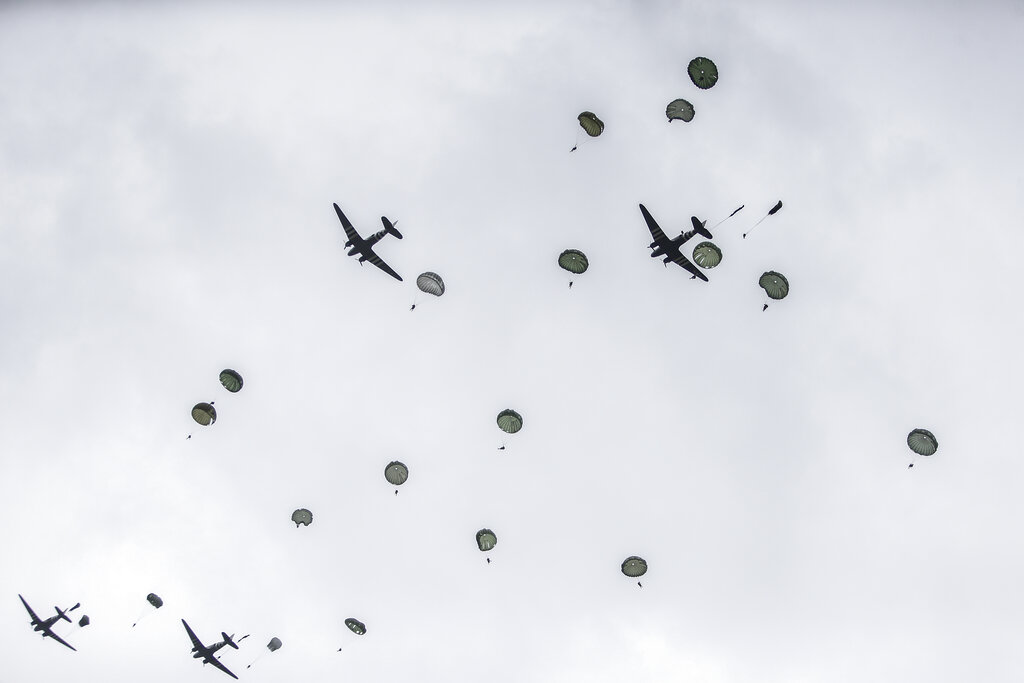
[{"x": 204, "y": 413}]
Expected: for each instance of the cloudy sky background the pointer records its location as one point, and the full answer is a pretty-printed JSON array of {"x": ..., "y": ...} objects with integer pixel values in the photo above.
[{"x": 166, "y": 180}]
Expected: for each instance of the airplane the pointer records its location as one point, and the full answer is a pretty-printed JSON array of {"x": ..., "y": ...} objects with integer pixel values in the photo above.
[
  {"x": 206, "y": 653},
  {"x": 46, "y": 625},
  {"x": 669, "y": 248},
  {"x": 364, "y": 247}
]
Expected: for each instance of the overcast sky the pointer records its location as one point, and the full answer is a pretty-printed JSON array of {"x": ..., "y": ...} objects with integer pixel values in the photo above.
[{"x": 166, "y": 181}]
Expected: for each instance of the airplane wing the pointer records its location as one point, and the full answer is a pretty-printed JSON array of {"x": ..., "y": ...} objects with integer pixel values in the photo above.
[
  {"x": 685, "y": 263},
  {"x": 216, "y": 662},
  {"x": 652, "y": 225},
  {"x": 377, "y": 261},
  {"x": 60, "y": 640},
  {"x": 350, "y": 231},
  {"x": 195, "y": 640},
  {"x": 35, "y": 619}
]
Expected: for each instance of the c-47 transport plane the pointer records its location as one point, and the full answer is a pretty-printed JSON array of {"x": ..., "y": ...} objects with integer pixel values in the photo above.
[
  {"x": 46, "y": 625},
  {"x": 669, "y": 248},
  {"x": 207, "y": 653},
  {"x": 364, "y": 247}
]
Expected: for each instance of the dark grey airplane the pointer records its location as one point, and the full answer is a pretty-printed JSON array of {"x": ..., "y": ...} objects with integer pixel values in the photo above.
[
  {"x": 46, "y": 625},
  {"x": 669, "y": 248},
  {"x": 206, "y": 653},
  {"x": 364, "y": 247}
]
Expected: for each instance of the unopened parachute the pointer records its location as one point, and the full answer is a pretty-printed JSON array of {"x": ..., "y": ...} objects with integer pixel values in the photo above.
[
  {"x": 679, "y": 109},
  {"x": 155, "y": 600}
]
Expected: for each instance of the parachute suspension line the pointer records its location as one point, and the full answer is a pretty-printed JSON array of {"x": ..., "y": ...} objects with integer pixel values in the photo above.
[
  {"x": 726, "y": 218},
  {"x": 577, "y": 145},
  {"x": 752, "y": 227}
]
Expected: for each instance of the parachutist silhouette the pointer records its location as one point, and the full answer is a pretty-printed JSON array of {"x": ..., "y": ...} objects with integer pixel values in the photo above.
[
  {"x": 639, "y": 584},
  {"x": 574, "y": 148},
  {"x": 501, "y": 448},
  {"x": 188, "y": 437},
  {"x": 488, "y": 560},
  {"x": 910, "y": 465},
  {"x": 764, "y": 308},
  {"x": 570, "y": 285},
  {"x": 413, "y": 307},
  {"x": 396, "y": 492}
]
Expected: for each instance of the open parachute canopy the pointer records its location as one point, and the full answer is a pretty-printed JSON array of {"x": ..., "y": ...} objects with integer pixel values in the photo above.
[
  {"x": 231, "y": 380},
  {"x": 775, "y": 285},
  {"x": 679, "y": 109},
  {"x": 486, "y": 539},
  {"x": 574, "y": 261},
  {"x": 510, "y": 421},
  {"x": 703, "y": 72},
  {"x": 396, "y": 473},
  {"x": 356, "y": 626},
  {"x": 707, "y": 255},
  {"x": 204, "y": 413},
  {"x": 634, "y": 567},
  {"x": 274, "y": 644},
  {"x": 155, "y": 600},
  {"x": 302, "y": 516},
  {"x": 431, "y": 283},
  {"x": 922, "y": 442},
  {"x": 591, "y": 124}
]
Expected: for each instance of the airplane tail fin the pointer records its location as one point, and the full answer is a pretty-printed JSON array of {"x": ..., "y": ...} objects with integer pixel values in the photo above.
[
  {"x": 227, "y": 640},
  {"x": 63, "y": 613},
  {"x": 698, "y": 227},
  {"x": 390, "y": 228}
]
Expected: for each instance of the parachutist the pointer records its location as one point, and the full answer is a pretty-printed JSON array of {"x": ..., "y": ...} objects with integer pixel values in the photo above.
[
  {"x": 574, "y": 148},
  {"x": 501, "y": 448},
  {"x": 570, "y": 285},
  {"x": 488, "y": 560},
  {"x": 764, "y": 308},
  {"x": 639, "y": 584},
  {"x": 910, "y": 465},
  {"x": 188, "y": 437},
  {"x": 413, "y": 307}
]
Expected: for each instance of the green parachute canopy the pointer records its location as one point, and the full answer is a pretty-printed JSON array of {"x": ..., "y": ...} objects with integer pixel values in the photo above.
[
  {"x": 302, "y": 516},
  {"x": 634, "y": 567},
  {"x": 510, "y": 421},
  {"x": 591, "y": 124},
  {"x": 356, "y": 626},
  {"x": 707, "y": 255},
  {"x": 84, "y": 621},
  {"x": 431, "y": 283},
  {"x": 679, "y": 109},
  {"x": 274, "y": 644},
  {"x": 396, "y": 473},
  {"x": 775, "y": 285},
  {"x": 204, "y": 413},
  {"x": 574, "y": 261},
  {"x": 155, "y": 600},
  {"x": 231, "y": 380},
  {"x": 486, "y": 539},
  {"x": 922, "y": 442},
  {"x": 703, "y": 72}
]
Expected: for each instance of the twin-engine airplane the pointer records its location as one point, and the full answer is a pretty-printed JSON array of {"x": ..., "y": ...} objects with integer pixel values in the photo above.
[
  {"x": 669, "y": 248},
  {"x": 206, "y": 652},
  {"x": 46, "y": 625},
  {"x": 364, "y": 247}
]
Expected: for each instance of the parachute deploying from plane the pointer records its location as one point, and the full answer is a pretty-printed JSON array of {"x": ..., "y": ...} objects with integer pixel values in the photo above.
[
  {"x": 155, "y": 601},
  {"x": 590, "y": 124},
  {"x": 771, "y": 212},
  {"x": 272, "y": 646}
]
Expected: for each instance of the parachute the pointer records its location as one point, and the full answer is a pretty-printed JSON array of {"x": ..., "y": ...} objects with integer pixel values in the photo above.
[
  {"x": 231, "y": 380},
  {"x": 356, "y": 626},
  {"x": 431, "y": 283},
  {"x": 771, "y": 212},
  {"x": 302, "y": 516},
  {"x": 922, "y": 442},
  {"x": 204, "y": 413},
  {"x": 396, "y": 473},
  {"x": 703, "y": 72},
  {"x": 592, "y": 125},
  {"x": 679, "y": 109},
  {"x": 775, "y": 285},
  {"x": 574, "y": 261},
  {"x": 707, "y": 255},
  {"x": 84, "y": 621},
  {"x": 153, "y": 599},
  {"x": 510, "y": 421},
  {"x": 634, "y": 567},
  {"x": 274, "y": 644},
  {"x": 485, "y": 540}
]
